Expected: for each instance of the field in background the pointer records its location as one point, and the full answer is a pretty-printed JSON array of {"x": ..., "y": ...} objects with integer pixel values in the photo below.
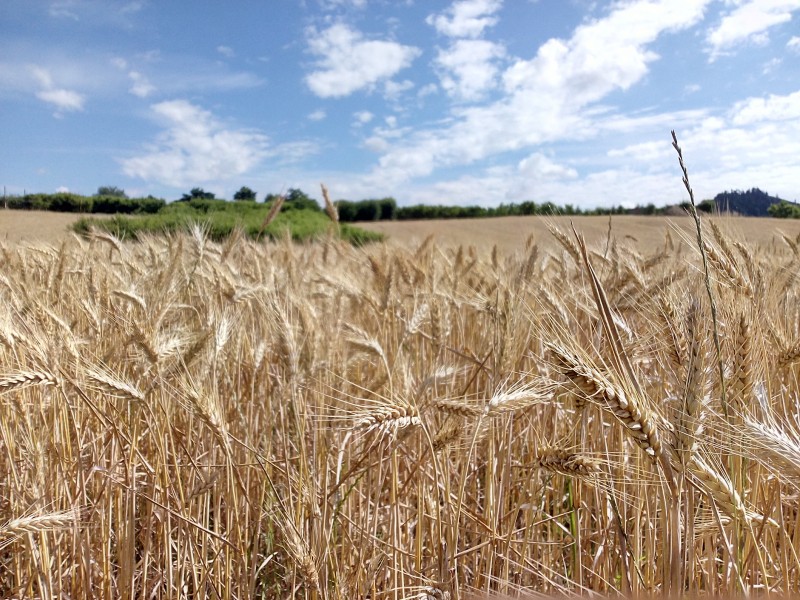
[
  {"x": 186, "y": 418},
  {"x": 508, "y": 233},
  {"x": 35, "y": 225}
]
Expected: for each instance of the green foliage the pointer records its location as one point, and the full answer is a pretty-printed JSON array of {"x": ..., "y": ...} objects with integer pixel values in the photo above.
[
  {"x": 111, "y": 190},
  {"x": 387, "y": 209},
  {"x": 116, "y": 204},
  {"x": 245, "y": 194},
  {"x": 220, "y": 218},
  {"x": 784, "y": 210},
  {"x": 197, "y": 193},
  {"x": 384, "y": 209},
  {"x": 66, "y": 202},
  {"x": 297, "y": 199},
  {"x": 707, "y": 206}
]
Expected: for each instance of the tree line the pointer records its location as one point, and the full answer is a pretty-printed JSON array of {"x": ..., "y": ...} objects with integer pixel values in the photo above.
[{"x": 114, "y": 200}]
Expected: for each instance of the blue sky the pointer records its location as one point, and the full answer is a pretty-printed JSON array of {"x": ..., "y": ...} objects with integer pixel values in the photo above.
[{"x": 452, "y": 102}]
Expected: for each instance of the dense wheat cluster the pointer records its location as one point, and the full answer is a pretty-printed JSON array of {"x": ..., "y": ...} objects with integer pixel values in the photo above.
[{"x": 180, "y": 418}]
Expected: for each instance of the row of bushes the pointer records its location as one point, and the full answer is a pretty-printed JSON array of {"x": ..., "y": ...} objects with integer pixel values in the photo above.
[
  {"x": 386, "y": 209},
  {"x": 67, "y": 202},
  {"x": 220, "y": 218},
  {"x": 784, "y": 210},
  {"x": 216, "y": 205}
]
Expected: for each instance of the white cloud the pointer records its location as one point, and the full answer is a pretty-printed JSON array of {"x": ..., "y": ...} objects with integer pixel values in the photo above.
[
  {"x": 363, "y": 117},
  {"x": 754, "y": 144},
  {"x": 62, "y": 189},
  {"x": 62, "y": 99},
  {"x": 466, "y": 18},
  {"x": 772, "y": 108},
  {"x": 427, "y": 90},
  {"x": 113, "y": 12},
  {"x": 393, "y": 89},
  {"x": 749, "y": 21},
  {"x": 317, "y": 115},
  {"x": 382, "y": 138},
  {"x": 195, "y": 148},
  {"x": 770, "y": 66},
  {"x": 292, "y": 152},
  {"x": 333, "y": 4},
  {"x": 63, "y": 10},
  {"x": 348, "y": 62},
  {"x": 546, "y": 97},
  {"x": 793, "y": 44},
  {"x": 42, "y": 76},
  {"x": 226, "y": 51},
  {"x": 468, "y": 68},
  {"x": 537, "y": 166},
  {"x": 141, "y": 86}
]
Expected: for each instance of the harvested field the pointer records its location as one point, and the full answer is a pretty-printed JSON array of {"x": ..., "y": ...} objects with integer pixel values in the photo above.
[
  {"x": 35, "y": 225},
  {"x": 510, "y": 233},
  {"x": 185, "y": 418}
]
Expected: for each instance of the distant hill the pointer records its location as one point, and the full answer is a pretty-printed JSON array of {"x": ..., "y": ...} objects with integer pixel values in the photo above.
[{"x": 751, "y": 203}]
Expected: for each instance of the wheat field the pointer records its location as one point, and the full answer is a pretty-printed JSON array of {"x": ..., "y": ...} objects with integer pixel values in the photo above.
[{"x": 181, "y": 418}]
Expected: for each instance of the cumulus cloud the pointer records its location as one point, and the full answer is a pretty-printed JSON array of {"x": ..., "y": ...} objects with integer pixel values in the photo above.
[
  {"x": 754, "y": 143},
  {"x": 363, "y": 117},
  {"x": 64, "y": 100},
  {"x": 392, "y": 90},
  {"x": 347, "y": 62},
  {"x": 537, "y": 166},
  {"x": 794, "y": 44},
  {"x": 195, "y": 148},
  {"x": 140, "y": 85},
  {"x": 772, "y": 108},
  {"x": 546, "y": 97},
  {"x": 226, "y": 51},
  {"x": 468, "y": 68},
  {"x": 466, "y": 18},
  {"x": 317, "y": 115},
  {"x": 749, "y": 21}
]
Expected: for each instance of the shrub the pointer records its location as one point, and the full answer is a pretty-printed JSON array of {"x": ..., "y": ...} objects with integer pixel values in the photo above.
[
  {"x": 66, "y": 202},
  {"x": 784, "y": 210}
]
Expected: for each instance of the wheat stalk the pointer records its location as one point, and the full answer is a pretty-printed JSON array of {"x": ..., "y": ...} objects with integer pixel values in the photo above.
[
  {"x": 566, "y": 462},
  {"x": 22, "y": 379}
]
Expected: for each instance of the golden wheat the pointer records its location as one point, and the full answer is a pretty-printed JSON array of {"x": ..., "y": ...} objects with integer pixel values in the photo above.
[{"x": 253, "y": 419}]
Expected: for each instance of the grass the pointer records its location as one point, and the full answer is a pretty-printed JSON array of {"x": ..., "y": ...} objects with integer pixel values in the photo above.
[
  {"x": 219, "y": 219},
  {"x": 241, "y": 418}
]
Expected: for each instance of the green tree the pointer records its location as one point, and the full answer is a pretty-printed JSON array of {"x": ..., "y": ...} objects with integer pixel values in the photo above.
[
  {"x": 111, "y": 190},
  {"x": 784, "y": 210},
  {"x": 298, "y": 199},
  {"x": 245, "y": 193},
  {"x": 197, "y": 194},
  {"x": 707, "y": 206}
]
